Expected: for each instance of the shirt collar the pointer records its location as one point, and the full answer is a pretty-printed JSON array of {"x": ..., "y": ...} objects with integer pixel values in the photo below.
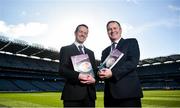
[
  {"x": 77, "y": 44},
  {"x": 117, "y": 41}
]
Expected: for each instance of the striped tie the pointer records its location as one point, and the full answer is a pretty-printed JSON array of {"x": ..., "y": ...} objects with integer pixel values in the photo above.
[
  {"x": 113, "y": 46},
  {"x": 80, "y": 49}
]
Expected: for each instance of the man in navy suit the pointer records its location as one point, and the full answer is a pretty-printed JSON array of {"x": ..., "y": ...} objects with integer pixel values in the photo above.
[
  {"x": 79, "y": 88},
  {"x": 122, "y": 85}
]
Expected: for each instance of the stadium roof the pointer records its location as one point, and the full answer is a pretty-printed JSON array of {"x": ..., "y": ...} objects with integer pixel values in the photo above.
[
  {"x": 19, "y": 47},
  {"x": 160, "y": 60}
]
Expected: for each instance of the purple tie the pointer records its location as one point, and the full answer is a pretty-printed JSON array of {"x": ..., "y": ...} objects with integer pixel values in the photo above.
[
  {"x": 80, "y": 49},
  {"x": 113, "y": 45}
]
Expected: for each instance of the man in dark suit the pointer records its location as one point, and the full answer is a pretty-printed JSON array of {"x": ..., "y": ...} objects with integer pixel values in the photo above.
[
  {"x": 79, "y": 89},
  {"x": 122, "y": 85}
]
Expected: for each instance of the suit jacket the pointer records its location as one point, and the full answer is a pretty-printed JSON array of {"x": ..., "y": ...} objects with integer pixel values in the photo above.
[
  {"x": 124, "y": 82},
  {"x": 73, "y": 89}
]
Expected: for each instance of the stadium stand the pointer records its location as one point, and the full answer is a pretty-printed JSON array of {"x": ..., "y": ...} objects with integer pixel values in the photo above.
[
  {"x": 160, "y": 72},
  {"x": 33, "y": 68},
  {"x": 26, "y": 67}
]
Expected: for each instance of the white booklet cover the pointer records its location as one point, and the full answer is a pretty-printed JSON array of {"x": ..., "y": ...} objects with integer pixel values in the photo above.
[
  {"x": 81, "y": 63},
  {"x": 112, "y": 59}
]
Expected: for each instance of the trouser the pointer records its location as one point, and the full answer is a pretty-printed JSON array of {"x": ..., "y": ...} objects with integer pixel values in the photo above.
[
  {"x": 86, "y": 102},
  {"x": 131, "y": 102}
]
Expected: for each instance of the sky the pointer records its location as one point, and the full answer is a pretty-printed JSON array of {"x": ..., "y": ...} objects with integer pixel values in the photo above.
[{"x": 51, "y": 23}]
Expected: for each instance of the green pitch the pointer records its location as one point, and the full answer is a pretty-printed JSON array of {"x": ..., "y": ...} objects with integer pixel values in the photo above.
[{"x": 156, "y": 98}]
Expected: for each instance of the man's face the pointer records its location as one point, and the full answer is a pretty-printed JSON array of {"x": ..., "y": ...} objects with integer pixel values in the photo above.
[
  {"x": 81, "y": 34},
  {"x": 114, "y": 31}
]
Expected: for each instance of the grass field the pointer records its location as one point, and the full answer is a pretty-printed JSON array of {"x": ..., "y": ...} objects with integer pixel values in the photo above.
[{"x": 156, "y": 98}]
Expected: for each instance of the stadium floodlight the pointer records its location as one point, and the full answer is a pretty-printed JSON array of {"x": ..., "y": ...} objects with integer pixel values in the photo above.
[
  {"x": 56, "y": 61},
  {"x": 22, "y": 55},
  {"x": 157, "y": 63},
  {"x": 177, "y": 60},
  {"x": 34, "y": 57},
  {"x": 146, "y": 64},
  {"x": 167, "y": 62},
  {"x": 47, "y": 59}
]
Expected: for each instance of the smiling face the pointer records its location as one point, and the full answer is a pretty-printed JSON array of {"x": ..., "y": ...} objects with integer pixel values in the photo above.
[
  {"x": 114, "y": 31},
  {"x": 81, "y": 34}
]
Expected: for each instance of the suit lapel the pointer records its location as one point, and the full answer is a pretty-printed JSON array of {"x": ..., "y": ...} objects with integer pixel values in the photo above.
[
  {"x": 74, "y": 50},
  {"x": 86, "y": 51},
  {"x": 105, "y": 53},
  {"x": 120, "y": 44}
]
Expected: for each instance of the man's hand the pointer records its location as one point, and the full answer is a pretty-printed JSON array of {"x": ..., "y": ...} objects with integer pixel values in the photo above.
[
  {"x": 86, "y": 78},
  {"x": 82, "y": 77},
  {"x": 105, "y": 73}
]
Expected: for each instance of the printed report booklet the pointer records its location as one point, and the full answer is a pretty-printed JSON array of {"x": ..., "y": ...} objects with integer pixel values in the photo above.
[
  {"x": 112, "y": 59},
  {"x": 81, "y": 63}
]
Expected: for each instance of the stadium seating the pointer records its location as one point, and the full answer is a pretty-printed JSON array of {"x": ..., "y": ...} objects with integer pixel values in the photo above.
[
  {"x": 162, "y": 76},
  {"x": 20, "y": 71},
  {"x": 27, "y": 74}
]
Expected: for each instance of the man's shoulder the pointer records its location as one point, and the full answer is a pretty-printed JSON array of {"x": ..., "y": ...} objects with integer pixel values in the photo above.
[
  {"x": 66, "y": 48},
  {"x": 131, "y": 40},
  {"x": 106, "y": 49},
  {"x": 89, "y": 50}
]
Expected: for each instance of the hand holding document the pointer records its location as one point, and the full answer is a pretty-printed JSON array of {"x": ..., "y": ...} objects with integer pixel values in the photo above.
[
  {"x": 86, "y": 79},
  {"x": 81, "y": 63},
  {"x": 112, "y": 59},
  {"x": 105, "y": 73}
]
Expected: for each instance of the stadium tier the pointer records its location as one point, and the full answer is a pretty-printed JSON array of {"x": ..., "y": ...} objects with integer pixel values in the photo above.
[
  {"x": 162, "y": 76},
  {"x": 28, "y": 74},
  {"x": 31, "y": 68}
]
